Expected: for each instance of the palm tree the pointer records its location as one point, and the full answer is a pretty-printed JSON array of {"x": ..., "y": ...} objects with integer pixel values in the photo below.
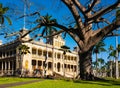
[
  {"x": 47, "y": 30},
  {"x": 99, "y": 47},
  {"x": 118, "y": 48},
  {"x": 94, "y": 64},
  {"x": 23, "y": 49},
  {"x": 101, "y": 62},
  {"x": 3, "y": 11},
  {"x": 104, "y": 70},
  {"x": 111, "y": 54},
  {"x": 115, "y": 54},
  {"x": 116, "y": 61}
]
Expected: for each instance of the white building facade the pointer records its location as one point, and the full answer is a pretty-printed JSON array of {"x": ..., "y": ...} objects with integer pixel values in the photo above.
[{"x": 43, "y": 59}]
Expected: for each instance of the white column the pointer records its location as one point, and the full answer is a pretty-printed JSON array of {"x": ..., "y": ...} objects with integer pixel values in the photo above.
[
  {"x": 37, "y": 52},
  {"x": 8, "y": 67},
  {"x": 12, "y": 67},
  {"x": 2, "y": 68},
  {"x": 5, "y": 66}
]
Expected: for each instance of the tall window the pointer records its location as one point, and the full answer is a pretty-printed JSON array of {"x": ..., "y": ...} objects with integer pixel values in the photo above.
[
  {"x": 75, "y": 59},
  {"x": 33, "y": 64},
  {"x": 39, "y": 52},
  {"x": 33, "y": 51},
  {"x": 44, "y": 53},
  {"x": 49, "y": 54},
  {"x": 49, "y": 65},
  {"x": 58, "y": 55},
  {"x": 39, "y": 63}
]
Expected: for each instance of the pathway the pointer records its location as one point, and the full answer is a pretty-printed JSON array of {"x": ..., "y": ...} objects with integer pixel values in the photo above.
[{"x": 17, "y": 83}]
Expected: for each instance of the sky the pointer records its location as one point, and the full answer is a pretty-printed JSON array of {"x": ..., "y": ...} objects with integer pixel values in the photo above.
[{"x": 53, "y": 7}]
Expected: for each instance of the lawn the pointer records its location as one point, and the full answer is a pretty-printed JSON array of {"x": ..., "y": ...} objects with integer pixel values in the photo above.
[
  {"x": 4, "y": 80},
  {"x": 72, "y": 84}
]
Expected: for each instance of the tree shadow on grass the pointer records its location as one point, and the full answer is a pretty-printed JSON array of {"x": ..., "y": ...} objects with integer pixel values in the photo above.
[{"x": 103, "y": 82}]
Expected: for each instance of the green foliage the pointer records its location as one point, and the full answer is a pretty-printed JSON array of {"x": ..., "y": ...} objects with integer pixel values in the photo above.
[
  {"x": 111, "y": 52},
  {"x": 65, "y": 49},
  {"x": 99, "y": 47},
  {"x": 8, "y": 19},
  {"x": 3, "y": 11},
  {"x": 101, "y": 61},
  {"x": 95, "y": 63},
  {"x": 23, "y": 49},
  {"x": 118, "y": 48},
  {"x": 118, "y": 14},
  {"x": 48, "y": 30},
  {"x": 111, "y": 48}
]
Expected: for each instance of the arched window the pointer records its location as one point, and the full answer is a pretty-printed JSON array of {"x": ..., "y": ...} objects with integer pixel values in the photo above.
[
  {"x": 58, "y": 67},
  {"x": 49, "y": 65}
]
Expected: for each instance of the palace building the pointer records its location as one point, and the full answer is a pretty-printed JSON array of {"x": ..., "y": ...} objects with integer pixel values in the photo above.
[{"x": 43, "y": 59}]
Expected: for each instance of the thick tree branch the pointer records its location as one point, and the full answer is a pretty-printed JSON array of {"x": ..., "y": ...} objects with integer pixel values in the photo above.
[
  {"x": 70, "y": 31},
  {"x": 74, "y": 11},
  {"x": 56, "y": 33},
  {"x": 80, "y": 7},
  {"x": 102, "y": 12},
  {"x": 101, "y": 33}
]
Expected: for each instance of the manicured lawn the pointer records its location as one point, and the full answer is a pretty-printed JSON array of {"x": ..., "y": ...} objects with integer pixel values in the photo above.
[
  {"x": 4, "y": 80},
  {"x": 72, "y": 84}
]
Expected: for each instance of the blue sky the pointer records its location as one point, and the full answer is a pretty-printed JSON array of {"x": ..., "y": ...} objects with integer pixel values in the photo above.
[
  {"x": 41, "y": 6},
  {"x": 53, "y": 7}
]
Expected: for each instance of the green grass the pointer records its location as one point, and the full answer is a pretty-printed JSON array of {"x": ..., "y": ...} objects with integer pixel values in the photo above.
[
  {"x": 44, "y": 83},
  {"x": 4, "y": 80},
  {"x": 72, "y": 84}
]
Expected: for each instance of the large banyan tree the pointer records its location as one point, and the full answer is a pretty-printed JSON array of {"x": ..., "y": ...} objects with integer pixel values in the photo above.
[{"x": 83, "y": 32}]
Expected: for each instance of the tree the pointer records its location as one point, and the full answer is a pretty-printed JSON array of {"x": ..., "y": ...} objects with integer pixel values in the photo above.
[
  {"x": 114, "y": 54},
  {"x": 47, "y": 30},
  {"x": 110, "y": 49},
  {"x": 118, "y": 48},
  {"x": 99, "y": 47},
  {"x": 3, "y": 11},
  {"x": 101, "y": 62},
  {"x": 85, "y": 16},
  {"x": 23, "y": 49},
  {"x": 116, "y": 61}
]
